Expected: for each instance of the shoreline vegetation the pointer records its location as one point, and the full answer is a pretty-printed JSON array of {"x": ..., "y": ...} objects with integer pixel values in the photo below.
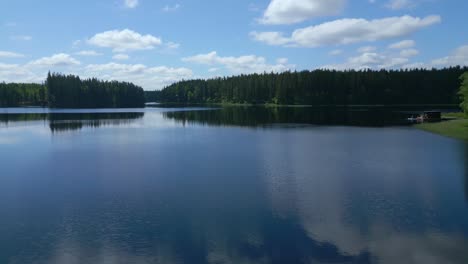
[
  {"x": 454, "y": 125},
  {"x": 321, "y": 87},
  {"x": 434, "y": 88},
  {"x": 70, "y": 91}
]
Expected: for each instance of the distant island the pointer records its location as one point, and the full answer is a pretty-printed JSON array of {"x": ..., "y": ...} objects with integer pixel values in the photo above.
[{"x": 316, "y": 88}]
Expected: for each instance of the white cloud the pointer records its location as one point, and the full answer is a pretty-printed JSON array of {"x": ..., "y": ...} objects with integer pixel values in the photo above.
[
  {"x": 131, "y": 3},
  {"x": 295, "y": 11},
  {"x": 415, "y": 65},
  {"x": 146, "y": 76},
  {"x": 404, "y": 44},
  {"x": 21, "y": 37},
  {"x": 60, "y": 59},
  {"x": 370, "y": 60},
  {"x": 88, "y": 53},
  {"x": 400, "y": 4},
  {"x": 120, "y": 57},
  {"x": 458, "y": 57},
  {"x": 169, "y": 8},
  {"x": 8, "y": 54},
  {"x": 283, "y": 61},
  {"x": 76, "y": 43},
  {"x": 172, "y": 45},
  {"x": 124, "y": 40},
  {"x": 150, "y": 78},
  {"x": 270, "y": 38},
  {"x": 242, "y": 64},
  {"x": 366, "y": 49},
  {"x": 348, "y": 31},
  {"x": 18, "y": 73},
  {"x": 409, "y": 53}
]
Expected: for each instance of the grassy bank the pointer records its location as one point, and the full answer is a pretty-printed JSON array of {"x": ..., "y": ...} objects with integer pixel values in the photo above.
[{"x": 456, "y": 126}]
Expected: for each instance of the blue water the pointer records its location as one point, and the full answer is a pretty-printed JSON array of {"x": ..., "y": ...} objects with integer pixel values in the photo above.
[{"x": 227, "y": 186}]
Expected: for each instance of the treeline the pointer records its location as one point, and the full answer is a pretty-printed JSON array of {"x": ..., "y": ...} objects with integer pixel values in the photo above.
[
  {"x": 152, "y": 96},
  {"x": 16, "y": 94},
  {"x": 464, "y": 92},
  {"x": 69, "y": 91},
  {"x": 324, "y": 87}
]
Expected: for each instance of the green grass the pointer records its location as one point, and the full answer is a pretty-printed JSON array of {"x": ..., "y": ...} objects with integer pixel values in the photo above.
[
  {"x": 456, "y": 115},
  {"x": 457, "y": 128}
]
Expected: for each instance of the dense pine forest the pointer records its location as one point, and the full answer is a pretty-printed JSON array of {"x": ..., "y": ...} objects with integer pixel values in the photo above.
[
  {"x": 16, "y": 94},
  {"x": 324, "y": 88},
  {"x": 319, "y": 87},
  {"x": 69, "y": 91},
  {"x": 464, "y": 92}
]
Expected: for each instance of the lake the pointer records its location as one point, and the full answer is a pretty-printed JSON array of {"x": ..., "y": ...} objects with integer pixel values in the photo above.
[{"x": 232, "y": 185}]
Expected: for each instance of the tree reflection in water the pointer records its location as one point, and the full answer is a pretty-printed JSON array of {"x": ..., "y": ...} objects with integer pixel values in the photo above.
[{"x": 62, "y": 122}]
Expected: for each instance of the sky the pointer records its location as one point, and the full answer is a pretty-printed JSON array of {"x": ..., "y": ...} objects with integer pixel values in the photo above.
[{"x": 155, "y": 43}]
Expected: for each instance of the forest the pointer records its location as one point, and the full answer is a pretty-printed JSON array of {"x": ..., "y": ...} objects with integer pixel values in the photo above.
[
  {"x": 69, "y": 91},
  {"x": 319, "y": 87},
  {"x": 16, "y": 94},
  {"x": 464, "y": 92},
  {"x": 323, "y": 88}
]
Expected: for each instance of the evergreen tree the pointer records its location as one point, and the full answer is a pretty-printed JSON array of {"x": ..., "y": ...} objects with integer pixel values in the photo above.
[
  {"x": 464, "y": 92},
  {"x": 324, "y": 88}
]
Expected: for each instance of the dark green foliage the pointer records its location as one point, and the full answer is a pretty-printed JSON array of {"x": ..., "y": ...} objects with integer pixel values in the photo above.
[
  {"x": 16, "y": 94},
  {"x": 324, "y": 87},
  {"x": 69, "y": 91},
  {"x": 152, "y": 96},
  {"x": 464, "y": 92}
]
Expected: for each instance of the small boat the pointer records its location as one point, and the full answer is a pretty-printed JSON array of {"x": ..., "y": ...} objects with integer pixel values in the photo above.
[{"x": 418, "y": 119}]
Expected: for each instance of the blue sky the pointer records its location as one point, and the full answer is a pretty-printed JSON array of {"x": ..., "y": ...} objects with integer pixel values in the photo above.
[{"x": 155, "y": 43}]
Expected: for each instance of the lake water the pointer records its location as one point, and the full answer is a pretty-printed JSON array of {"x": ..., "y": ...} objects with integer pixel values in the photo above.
[{"x": 233, "y": 185}]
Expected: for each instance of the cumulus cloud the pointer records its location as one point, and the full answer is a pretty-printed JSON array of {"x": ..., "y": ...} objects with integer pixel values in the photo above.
[
  {"x": 370, "y": 60},
  {"x": 124, "y": 40},
  {"x": 172, "y": 45},
  {"x": 60, "y": 59},
  {"x": 242, "y": 64},
  {"x": 120, "y": 57},
  {"x": 366, "y": 49},
  {"x": 150, "y": 78},
  {"x": 8, "y": 54},
  {"x": 348, "y": 31},
  {"x": 458, "y": 57},
  {"x": 270, "y": 38},
  {"x": 131, "y": 3},
  {"x": 18, "y": 73},
  {"x": 88, "y": 53},
  {"x": 409, "y": 53},
  {"x": 400, "y": 58},
  {"x": 35, "y": 71},
  {"x": 404, "y": 44},
  {"x": 295, "y": 11}
]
